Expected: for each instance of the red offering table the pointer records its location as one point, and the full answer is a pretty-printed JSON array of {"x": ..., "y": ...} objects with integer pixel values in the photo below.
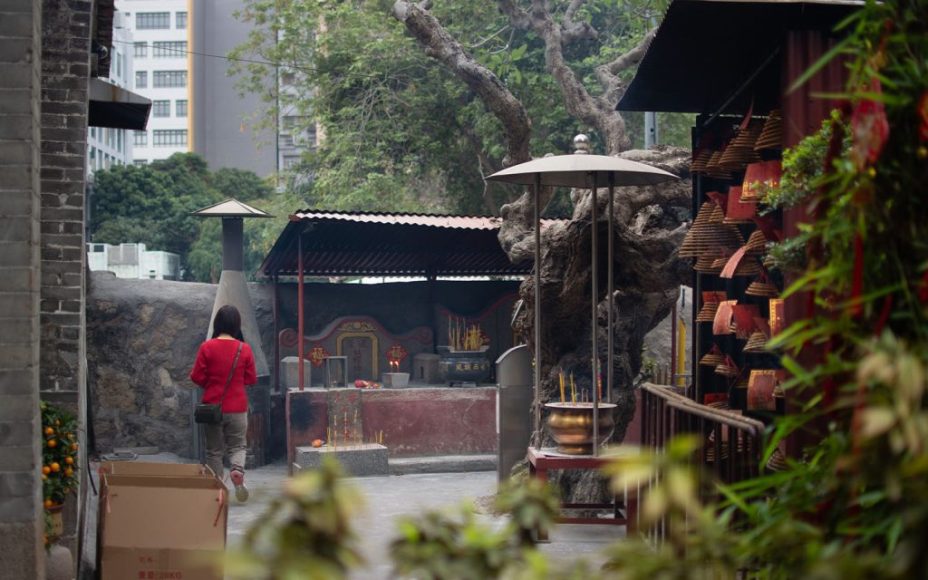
[{"x": 622, "y": 512}]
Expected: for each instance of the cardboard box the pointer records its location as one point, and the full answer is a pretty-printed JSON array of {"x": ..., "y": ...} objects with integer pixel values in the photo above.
[{"x": 161, "y": 521}]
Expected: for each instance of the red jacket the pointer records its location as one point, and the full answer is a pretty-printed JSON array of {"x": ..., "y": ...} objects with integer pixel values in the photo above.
[{"x": 211, "y": 371}]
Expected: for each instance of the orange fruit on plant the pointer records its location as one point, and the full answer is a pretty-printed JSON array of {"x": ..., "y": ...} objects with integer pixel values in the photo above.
[
  {"x": 52, "y": 443},
  {"x": 46, "y": 470},
  {"x": 49, "y": 431},
  {"x": 69, "y": 460},
  {"x": 69, "y": 472},
  {"x": 48, "y": 504},
  {"x": 55, "y": 467},
  {"x": 74, "y": 447}
]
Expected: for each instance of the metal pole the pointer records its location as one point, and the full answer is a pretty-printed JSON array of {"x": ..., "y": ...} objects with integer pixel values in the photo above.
[
  {"x": 537, "y": 218},
  {"x": 650, "y": 129},
  {"x": 610, "y": 250},
  {"x": 277, "y": 384},
  {"x": 594, "y": 217},
  {"x": 299, "y": 310}
]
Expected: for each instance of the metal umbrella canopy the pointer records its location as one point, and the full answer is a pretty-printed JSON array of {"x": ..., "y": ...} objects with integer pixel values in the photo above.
[{"x": 584, "y": 171}]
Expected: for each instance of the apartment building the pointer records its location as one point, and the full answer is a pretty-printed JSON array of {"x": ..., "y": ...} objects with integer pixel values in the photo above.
[
  {"x": 159, "y": 44},
  {"x": 106, "y": 146}
]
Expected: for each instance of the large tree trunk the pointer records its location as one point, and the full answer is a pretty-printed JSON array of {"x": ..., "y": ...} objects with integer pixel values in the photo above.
[{"x": 650, "y": 221}]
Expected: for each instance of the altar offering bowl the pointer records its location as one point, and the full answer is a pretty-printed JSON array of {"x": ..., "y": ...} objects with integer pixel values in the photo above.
[{"x": 571, "y": 426}]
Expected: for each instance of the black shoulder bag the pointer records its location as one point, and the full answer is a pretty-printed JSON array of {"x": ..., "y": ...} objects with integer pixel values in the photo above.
[{"x": 210, "y": 413}]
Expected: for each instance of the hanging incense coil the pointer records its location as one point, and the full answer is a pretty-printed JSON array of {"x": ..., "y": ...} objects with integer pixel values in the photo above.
[
  {"x": 740, "y": 150},
  {"x": 777, "y": 461},
  {"x": 757, "y": 343},
  {"x": 728, "y": 368},
  {"x": 757, "y": 243},
  {"x": 710, "y": 303},
  {"x": 762, "y": 286},
  {"x": 771, "y": 136},
  {"x": 741, "y": 264},
  {"x": 689, "y": 248},
  {"x": 705, "y": 264},
  {"x": 713, "y": 358},
  {"x": 700, "y": 160},
  {"x": 736, "y": 211},
  {"x": 714, "y": 167}
]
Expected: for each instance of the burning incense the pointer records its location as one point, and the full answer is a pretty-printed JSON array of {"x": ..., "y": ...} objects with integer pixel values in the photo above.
[
  {"x": 599, "y": 380},
  {"x": 573, "y": 389},
  {"x": 560, "y": 376}
]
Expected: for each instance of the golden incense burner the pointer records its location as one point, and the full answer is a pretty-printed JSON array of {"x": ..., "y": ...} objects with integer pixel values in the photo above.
[{"x": 571, "y": 426}]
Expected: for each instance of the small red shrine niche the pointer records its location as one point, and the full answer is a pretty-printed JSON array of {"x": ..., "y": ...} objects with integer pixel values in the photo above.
[{"x": 369, "y": 348}]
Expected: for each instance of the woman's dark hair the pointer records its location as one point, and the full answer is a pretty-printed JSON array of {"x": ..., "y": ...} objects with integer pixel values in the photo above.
[{"x": 228, "y": 321}]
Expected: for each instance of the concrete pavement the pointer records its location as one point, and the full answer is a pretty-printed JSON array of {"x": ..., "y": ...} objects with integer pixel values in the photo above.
[{"x": 390, "y": 497}]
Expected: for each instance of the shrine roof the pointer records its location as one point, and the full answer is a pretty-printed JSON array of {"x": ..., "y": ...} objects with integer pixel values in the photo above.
[{"x": 391, "y": 244}]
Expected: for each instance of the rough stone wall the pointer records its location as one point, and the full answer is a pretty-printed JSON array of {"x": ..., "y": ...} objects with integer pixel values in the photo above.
[
  {"x": 21, "y": 521},
  {"x": 142, "y": 339}
]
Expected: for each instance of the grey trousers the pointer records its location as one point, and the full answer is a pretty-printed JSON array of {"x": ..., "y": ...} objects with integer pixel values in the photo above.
[{"x": 226, "y": 438}]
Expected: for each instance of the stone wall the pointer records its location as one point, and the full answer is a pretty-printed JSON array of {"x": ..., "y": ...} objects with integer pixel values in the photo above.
[
  {"x": 21, "y": 521},
  {"x": 142, "y": 339}
]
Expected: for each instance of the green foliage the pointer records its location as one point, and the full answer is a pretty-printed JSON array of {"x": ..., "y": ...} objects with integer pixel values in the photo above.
[
  {"x": 305, "y": 533},
  {"x": 437, "y": 545},
  {"x": 152, "y": 204},
  {"x": 401, "y": 132}
]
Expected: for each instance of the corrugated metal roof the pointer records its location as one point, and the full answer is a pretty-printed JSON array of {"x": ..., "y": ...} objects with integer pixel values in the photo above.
[
  {"x": 706, "y": 51},
  {"x": 390, "y": 244},
  {"x": 413, "y": 219}
]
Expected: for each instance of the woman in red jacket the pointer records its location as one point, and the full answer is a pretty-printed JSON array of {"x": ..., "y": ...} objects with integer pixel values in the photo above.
[{"x": 211, "y": 372}]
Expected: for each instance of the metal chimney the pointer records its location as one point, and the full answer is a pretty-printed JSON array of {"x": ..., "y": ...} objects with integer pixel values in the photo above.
[{"x": 234, "y": 290}]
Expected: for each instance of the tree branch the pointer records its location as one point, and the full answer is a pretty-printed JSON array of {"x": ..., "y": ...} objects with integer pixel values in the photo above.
[
  {"x": 607, "y": 74},
  {"x": 441, "y": 46}
]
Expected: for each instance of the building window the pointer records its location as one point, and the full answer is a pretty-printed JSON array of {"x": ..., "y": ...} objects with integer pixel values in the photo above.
[
  {"x": 169, "y": 78},
  {"x": 169, "y": 49},
  {"x": 169, "y": 137},
  {"x": 141, "y": 79},
  {"x": 291, "y": 161},
  {"x": 180, "y": 107},
  {"x": 140, "y": 138},
  {"x": 181, "y": 20},
  {"x": 152, "y": 20},
  {"x": 141, "y": 50},
  {"x": 161, "y": 108},
  {"x": 140, "y": 162}
]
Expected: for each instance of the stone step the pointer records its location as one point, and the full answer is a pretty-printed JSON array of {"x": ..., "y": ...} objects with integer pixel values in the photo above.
[
  {"x": 442, "y": 464},
  {"x": 357, "y": 460}
]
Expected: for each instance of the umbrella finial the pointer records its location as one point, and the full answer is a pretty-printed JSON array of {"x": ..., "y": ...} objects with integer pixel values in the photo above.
[{"x": 581, "y": 144}]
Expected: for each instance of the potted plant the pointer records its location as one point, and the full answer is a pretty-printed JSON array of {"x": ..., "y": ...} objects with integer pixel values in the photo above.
[{"x": 59, "y": 464}]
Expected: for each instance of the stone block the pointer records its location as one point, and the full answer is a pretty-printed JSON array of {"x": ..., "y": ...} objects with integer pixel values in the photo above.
[
  {"x": 425, "y": 368},
  {"x": 356, "y": 460},
  {"x": 290, "y": 372}
]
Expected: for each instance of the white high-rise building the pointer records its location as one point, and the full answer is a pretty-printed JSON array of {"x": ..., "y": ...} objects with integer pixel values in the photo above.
[
  {"x": 161, "y": 71},
  {"x": 105, "y": 146}
]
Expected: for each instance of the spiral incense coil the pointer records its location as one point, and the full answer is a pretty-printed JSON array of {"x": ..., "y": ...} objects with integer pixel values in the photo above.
[
  {"x": 757, "y": 342},
  {"x": 727, "y": 369},
  {"x": 713, "y": 358},
  {"x": 701, "y": 160},
  {"x": 757, "y": 242},
  {"x": 777, "y": 461},
  {"x": 710, "y": 303},
  {"x": 764, "y": 289},
  {"x": 771, "y": 136},
  {"x": 705, "y": 264},
  {"x": 740, "y": 150}
]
